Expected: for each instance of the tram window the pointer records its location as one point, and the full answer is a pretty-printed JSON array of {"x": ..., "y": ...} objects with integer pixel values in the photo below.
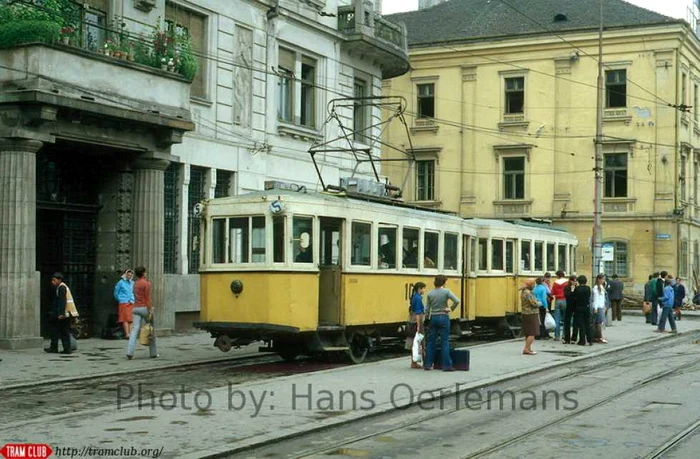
[
  {"x": 387, "y": 248},
  {"x": 561, "y": 249},
  {"x": 430, "y": 250},
  {"x": 361, "y": 244},
  {"x": 302, "y": 233},
  {"x": 218, "y": 240},
  {"x": 525, "y": 264},
  {"x": 551, "y": 260},
  {"x": 473, "y": 254},
  {"x": 483, "y": 254},
  {"x": 410, "y": 248},
  {"x": 538, "y": 256},
  {"x": 509, "y": 256},
  {"x": 239, "y": 243},
  {"x": 451, "y": 251},
  {"x": 497, "y": 254},
  {"x": 278, "y": 246},
  {"x": 258, "y": 239},
  {"x": 572, "y": 257}
]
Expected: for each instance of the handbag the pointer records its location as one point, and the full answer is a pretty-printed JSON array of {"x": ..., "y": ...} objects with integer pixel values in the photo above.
[
  {"x": 146, "y": 332},
  {"x": 646, "y": 307}
]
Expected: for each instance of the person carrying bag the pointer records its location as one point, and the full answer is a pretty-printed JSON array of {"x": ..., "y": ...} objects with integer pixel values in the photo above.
[{"x": 143, "y": 316}]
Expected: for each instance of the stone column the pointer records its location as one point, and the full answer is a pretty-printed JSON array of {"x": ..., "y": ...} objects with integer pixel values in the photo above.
[
  {"x": 20, "y": 310},
  {"x": 148, "y": 222}
]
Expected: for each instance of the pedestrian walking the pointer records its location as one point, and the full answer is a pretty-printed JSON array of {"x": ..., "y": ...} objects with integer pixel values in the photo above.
[
  {"x": 61, "y": 313},
  {"x": 142, "y": 312},
  {"x": 660, "y": 280},
  {"x": 615, "y": 288},
  {"x": 558, "y": 288},
  {"x": 542, "y": 295},
  {"x": 124, "y": 294},
  {"x": 582, "y": 311},
  {"x": 438, "y": 311},
  {"x": 667, "y": 310},
  {"x": 598, "y": 303},
  {"x": 417, "y": 311},
  {"x": 679, "y": 297},
  {"x": 530, "y": 315},
  {"x": 649, "y": 290},
  {"x": 570, "y": 338}
]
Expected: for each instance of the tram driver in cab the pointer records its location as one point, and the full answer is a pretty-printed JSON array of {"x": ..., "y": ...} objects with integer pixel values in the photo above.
[{"x": 305, "y": 255}]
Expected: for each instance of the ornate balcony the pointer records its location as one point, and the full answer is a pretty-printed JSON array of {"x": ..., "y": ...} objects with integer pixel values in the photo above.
[{"x": 375, "y": 38}]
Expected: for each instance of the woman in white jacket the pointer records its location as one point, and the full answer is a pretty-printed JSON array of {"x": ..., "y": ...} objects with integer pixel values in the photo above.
[{"x": 598, "y": 302}]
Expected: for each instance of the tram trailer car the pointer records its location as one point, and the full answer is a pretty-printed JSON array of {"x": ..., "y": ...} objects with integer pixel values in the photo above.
[{"x": 310, "y": 273}]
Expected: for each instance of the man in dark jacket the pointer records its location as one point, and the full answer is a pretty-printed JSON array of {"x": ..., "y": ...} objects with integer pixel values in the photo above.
[
  {"x": 615, "y": 288},
  {"x": 58, "y": 321},
  {"x": 649, "y": 294},
  {"x": 659, "y": 297},
  {"x": 679, "y": 296}
]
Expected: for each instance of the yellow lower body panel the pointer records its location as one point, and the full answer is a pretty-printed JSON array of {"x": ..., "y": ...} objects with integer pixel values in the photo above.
[
  {"x": 276, "y": 298},
  {"x": 496, "y": 296}
]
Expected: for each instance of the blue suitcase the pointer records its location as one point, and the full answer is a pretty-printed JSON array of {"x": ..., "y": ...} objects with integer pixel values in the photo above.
[{"x": 460, "y": 359}]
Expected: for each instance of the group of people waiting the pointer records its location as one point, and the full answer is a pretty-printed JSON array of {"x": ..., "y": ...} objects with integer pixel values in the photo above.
[
  {"x": 135, "y": 307},
  {"x": 581, "y": 309},
  {"x": 665, "y": 292}
]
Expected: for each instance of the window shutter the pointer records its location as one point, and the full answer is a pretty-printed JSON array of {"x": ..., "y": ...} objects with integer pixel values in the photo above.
[
  {"x": 286, "y": 60},
  {"x": 197, "y": 31}
]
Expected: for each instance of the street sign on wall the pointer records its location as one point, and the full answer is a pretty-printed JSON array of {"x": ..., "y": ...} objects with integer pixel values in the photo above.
[{"x": 608, "y": 253}]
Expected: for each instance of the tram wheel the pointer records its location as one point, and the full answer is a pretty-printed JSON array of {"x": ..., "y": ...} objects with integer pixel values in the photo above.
[{"x": 359, "y": 347}]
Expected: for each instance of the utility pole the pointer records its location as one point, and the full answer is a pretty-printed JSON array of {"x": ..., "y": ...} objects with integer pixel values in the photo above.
[{"x": 598, "y": 212}]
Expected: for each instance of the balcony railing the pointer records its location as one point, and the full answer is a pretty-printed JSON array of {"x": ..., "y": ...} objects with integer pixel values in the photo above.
[{"x": 383, "y": 29}]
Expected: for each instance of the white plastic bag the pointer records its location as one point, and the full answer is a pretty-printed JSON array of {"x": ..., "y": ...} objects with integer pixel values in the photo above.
[
  {"x": 417, "y": 354},
  {"x": 549, "y": 323}
]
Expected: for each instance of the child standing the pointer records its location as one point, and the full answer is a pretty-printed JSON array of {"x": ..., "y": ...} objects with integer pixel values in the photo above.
[{"x": 417, "y": 310}]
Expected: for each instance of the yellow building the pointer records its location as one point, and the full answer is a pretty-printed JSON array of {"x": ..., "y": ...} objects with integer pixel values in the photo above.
[{"x": 502, "y": 111}]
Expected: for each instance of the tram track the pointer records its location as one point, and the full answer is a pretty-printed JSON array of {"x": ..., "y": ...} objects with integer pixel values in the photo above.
[
  {"x": 673, "y": 443},
  {"x": 418, "y": 419}
]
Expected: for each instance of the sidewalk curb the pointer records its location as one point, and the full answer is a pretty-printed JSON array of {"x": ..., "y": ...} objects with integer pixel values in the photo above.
[{"x": 299, "y": 431}]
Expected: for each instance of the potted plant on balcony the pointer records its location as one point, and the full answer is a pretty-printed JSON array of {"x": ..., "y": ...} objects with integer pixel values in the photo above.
[{"x": 67, "y": 33}]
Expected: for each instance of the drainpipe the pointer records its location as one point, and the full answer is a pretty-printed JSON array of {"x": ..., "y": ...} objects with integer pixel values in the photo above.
[{"x": 676, "y": 158}]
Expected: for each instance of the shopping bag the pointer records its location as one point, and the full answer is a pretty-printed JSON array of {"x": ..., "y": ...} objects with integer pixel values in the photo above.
[
  {"x": 646, "y": 307},
  {"x": 549, "y": 323},
  {"x": 146, "y": 334},
  {"x": 416, "y": 351}
]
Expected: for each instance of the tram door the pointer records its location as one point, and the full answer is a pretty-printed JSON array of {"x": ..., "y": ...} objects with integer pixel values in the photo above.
[
  {"x": 329, "y": 296},
  {"x": 465, "y": 275}
]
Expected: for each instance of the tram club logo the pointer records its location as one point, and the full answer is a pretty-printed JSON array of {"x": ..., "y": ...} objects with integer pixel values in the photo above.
[{"x": 26, "y": 451}]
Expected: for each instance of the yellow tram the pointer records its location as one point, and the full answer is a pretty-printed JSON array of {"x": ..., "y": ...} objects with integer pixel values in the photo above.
[{"x": 320, "y": 272}]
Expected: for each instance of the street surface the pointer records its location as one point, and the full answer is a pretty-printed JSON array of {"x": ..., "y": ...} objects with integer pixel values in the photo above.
[{"x": 630, "y": 405}]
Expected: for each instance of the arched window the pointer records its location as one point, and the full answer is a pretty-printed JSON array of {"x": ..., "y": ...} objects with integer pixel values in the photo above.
[
  {"x": 683, "y": 268},
  {"x": 619, "y": 265},
  {"x": 696, "y": 257}
]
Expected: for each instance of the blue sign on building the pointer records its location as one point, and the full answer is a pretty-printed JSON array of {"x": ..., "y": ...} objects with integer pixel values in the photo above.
[{"x": 663, "y": 236}]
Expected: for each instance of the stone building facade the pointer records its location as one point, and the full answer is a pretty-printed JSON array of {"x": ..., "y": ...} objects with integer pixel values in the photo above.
[
  {"x": 103, "y": 159},
  {"x": 503, "y": 105}
]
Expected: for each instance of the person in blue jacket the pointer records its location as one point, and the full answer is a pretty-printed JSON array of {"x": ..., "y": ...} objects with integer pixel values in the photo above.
[
  {"x": 667, "y": 311},
  {"x": 417, "y": 310},
  {"x": 541, "y": 293},
  {"x": 124, "y": 294}
]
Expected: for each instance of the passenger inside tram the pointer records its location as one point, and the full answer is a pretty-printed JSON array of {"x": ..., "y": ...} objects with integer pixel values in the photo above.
[
  {"x": 386, "y": 253},
  {"x": 304, "y": 255}
]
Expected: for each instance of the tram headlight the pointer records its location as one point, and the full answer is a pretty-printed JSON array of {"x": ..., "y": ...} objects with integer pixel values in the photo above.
[{"x": 236, "y": 287}]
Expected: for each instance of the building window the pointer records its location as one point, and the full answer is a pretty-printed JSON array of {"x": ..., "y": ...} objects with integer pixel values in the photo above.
[
  {"x": 696, "y": 173},
  {"x": 285, "y": 70},
  {"x": 684, "y": 165},
  {"x": 425, "y": 180},
  {"x": 189, "y": 23},
  {"x": 359, "y": 111},
  {"x": 695, "y": 103},
  {"x": 426, "y": 100},
  {"x": 515, "y": 95},
  {"x": 615, "y": 168},
  {"x": 223, "y": 183},
  {"x": 93, "y": 27},
  {"x": 308, "y": 92},
  {"x": 361, "y": 244},
  {"x": 288, "y": 110},
  {"x": 619, "y": 264},
  {"x": 696, "y": 258},
  {"x": 195, "y": 194},
  {"x": 514, "y": 177},
  {"x": 616, "y": 88},
  {"x": 683, "y": 268},
  {"x": 170, "y": 227},
  {"x": 684, "y": 88}
]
